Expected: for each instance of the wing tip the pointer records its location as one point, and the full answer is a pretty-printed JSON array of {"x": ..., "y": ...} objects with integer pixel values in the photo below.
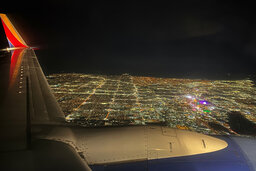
[{"x": 12, "y": 35}]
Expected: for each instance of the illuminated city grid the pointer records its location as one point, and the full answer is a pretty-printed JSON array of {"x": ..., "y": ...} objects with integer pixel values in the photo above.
[{"x": 96, "y": 100}]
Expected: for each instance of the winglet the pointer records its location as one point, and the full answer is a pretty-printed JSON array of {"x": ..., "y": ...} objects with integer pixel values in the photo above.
[{"x": 13, "y": 37}]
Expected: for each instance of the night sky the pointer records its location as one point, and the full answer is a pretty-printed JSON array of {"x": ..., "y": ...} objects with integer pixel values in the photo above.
[{"x": 191, "y": 39}]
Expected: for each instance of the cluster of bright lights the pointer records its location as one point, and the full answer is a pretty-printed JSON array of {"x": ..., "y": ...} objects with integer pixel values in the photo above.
[{"x": 196, "y": 104}]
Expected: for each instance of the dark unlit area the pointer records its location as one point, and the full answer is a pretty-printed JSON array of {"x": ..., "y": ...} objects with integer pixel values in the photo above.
[{"x": 43, "y": 155}]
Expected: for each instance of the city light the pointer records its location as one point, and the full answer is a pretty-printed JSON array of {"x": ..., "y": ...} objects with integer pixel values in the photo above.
[{"x": 96, "y": 100}]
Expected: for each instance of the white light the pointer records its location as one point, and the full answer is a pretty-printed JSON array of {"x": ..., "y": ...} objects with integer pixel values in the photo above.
[
  {"x": 10, "y": 49},
  {"x": 189, "y": 97}
]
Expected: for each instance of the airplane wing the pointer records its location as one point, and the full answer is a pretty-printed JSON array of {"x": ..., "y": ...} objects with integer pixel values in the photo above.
[
  {"x": 34, "y": 135},
  {"x": 26, "y": 101},
  {"x": 28, "y": 93}
]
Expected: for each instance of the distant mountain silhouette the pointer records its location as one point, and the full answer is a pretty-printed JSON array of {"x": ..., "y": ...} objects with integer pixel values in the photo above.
[
  {"x": 218, "y": 127},
  {"x": 240, "y": 124}
]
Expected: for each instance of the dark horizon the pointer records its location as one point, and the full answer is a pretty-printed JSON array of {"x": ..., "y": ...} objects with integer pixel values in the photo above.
[{"x": 193, "y": 39}]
